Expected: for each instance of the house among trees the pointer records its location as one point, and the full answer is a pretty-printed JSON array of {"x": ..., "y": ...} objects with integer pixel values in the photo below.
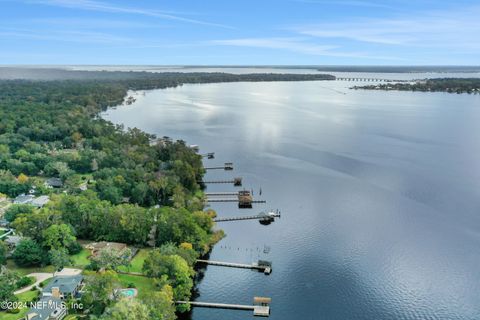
[
  {"x": 39, "y": 202},
  {"x": 4, "y": 223},
  {"x": 23, "y": 199},
  {"x": 64, "y": 287},
  {"x": 12, "y": 242},
  {"x": 48, "y": 308},
  {"x": 54, "y": 183},
  {"x": 96, "y": 247}
]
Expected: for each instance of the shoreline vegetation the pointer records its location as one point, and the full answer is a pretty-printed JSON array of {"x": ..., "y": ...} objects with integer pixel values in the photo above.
[
  {"x": 450, "y": 85},
  {"x": 111, "y": 184}
]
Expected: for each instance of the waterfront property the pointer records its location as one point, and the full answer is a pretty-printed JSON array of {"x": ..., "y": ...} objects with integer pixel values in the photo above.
[
  {"x": 47, "y": 308},
  {"x": 64, "y": 287}
]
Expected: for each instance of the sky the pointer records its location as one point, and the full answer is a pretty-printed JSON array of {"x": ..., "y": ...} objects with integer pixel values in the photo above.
[{"x": 240, "y": 32}]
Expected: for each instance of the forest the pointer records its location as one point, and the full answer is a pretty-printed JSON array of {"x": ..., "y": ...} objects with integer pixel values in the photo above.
[
  {"x": 117, "y": 184},
  {"x": 450, "y": 85}
]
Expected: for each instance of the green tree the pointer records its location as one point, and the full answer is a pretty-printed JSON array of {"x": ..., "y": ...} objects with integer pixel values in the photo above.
[
  {"x": 3, "y": 253},
  {"x": 8, "y": 282},
  {"x": 184, "y": 250},
  {"x": 14, "y": 210},
  {"x": 161, "y": 304},
  {"x": 99, "y": 288},
  {"x": 59, "y": 258},
  {"x": 179, "y": 225},
  {"x": 28, "y": 253},
  {"x": 126, "y": 309},
  {"x": 58, "y": 236},
  {"x": 112, "y": 259},
  {"x": 176, "y": 270},
  {"x": 33, "y": 225}
]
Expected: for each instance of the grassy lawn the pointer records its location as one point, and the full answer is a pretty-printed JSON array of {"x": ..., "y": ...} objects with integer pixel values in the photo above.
[
  {"x": 45, "y": 282},
  {"x": 26, "y": 270},
  {"x": 28, "y": 296},
  {"x": 80, "y": 260},
  {"x": 25, "y": 297},
  {"x": 136, "y": 264},
  {"x": 144, "y": 285}
]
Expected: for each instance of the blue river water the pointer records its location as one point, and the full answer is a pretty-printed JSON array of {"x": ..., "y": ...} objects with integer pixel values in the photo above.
[{"x": 379, "y": 194}]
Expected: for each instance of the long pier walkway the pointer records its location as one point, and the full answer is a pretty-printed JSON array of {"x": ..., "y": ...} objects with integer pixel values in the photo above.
[
  {"x": 237, "y": 182},
  {"x": 266, "y": 267},
  {"x": 221, "y": 194},
  {"x": 235, "y": 200},
  {"x": 270, "y": 216},
  {"x": 262, "y": 311},
  {"x": 226, "y": 166}
]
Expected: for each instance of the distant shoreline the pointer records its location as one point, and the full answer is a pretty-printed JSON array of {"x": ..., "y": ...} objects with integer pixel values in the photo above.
[{"x": 449, "y": 85}]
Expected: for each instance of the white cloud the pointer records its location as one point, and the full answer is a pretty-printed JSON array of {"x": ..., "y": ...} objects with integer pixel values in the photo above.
[
  {"x": 107, "y": 7},
  {"x": 300, "y": 45},
  {"x": 447, "y": 29},
  {"x": 293, "y": 44},
  {"x": 64, "y": 36},
  {"x": 351, "y": 3},
  {"x": 89, "y": 23}
]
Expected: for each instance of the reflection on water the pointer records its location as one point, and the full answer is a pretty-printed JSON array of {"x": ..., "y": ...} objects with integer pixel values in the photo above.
[{"x": 379, "y": 193}]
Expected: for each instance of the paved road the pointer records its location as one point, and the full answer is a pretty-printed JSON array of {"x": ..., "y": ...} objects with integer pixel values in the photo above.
[{"x": 40, "y": 277}]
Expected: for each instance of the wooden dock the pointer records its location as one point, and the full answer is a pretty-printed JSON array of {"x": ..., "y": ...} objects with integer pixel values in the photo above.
[
  {"x": 262, "y": 216},
  {"x": 261, "y": 265},
  {"x": 260, "y": 310},
  {"x": 237, "y": 182},
  {"x": 221, "y": 194},
  {"x": 210, "y": 155},
  {"x": 244, "y": 198},
  {"x": 226, "y": 166}
]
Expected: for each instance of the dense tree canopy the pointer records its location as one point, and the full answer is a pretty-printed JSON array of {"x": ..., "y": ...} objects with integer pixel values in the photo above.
[
  {"x": 28, "y": 253},
  {"x": 451, "y": 85},
  {"x": 106, "y": 182}
]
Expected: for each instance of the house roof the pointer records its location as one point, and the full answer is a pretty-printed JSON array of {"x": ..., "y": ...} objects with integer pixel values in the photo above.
[
  {"x": 40, "y": 201},
  {"x": 54, "y": 182},
  {"x": 66, "y": 284},
  {"x": 13, "y": 240},
  {"x": 44, "y": 307},
  {"x": 23, "y": 198}
]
